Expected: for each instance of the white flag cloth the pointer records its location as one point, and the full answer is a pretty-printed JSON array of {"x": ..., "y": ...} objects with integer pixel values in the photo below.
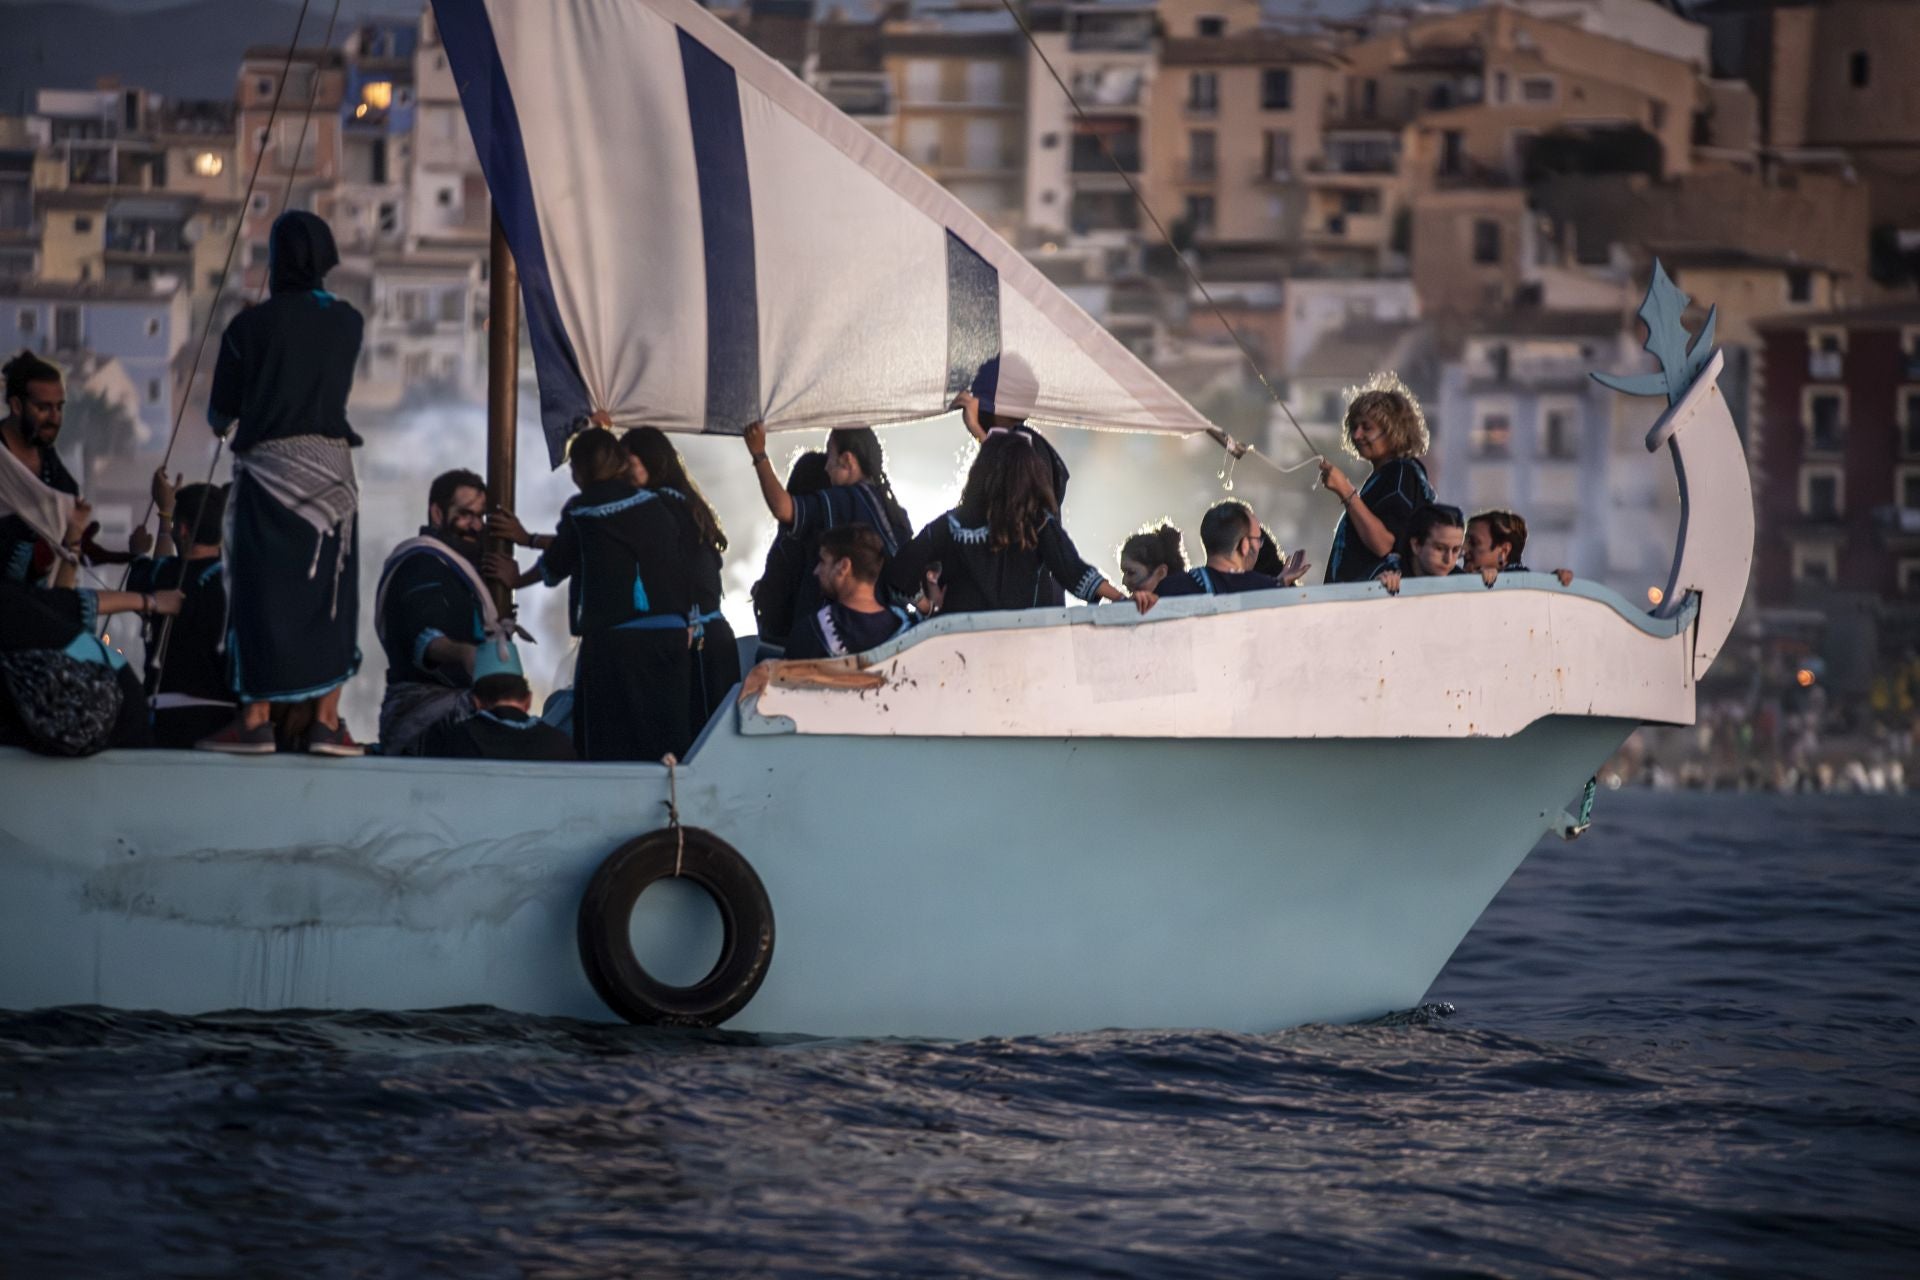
[
  {"x": 703, "y": 241},
  {"x": 44, "y": 509}
]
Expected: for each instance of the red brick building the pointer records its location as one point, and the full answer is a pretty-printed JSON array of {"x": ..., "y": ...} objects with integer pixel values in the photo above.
[{"x": 1838, "y": 459}]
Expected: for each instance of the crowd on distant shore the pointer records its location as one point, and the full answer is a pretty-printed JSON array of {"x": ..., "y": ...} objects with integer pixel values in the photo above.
[{"x": 249, "y": 593}]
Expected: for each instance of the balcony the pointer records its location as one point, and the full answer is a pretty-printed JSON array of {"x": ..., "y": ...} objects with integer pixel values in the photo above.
[
  {"x": 1088, "y": 157},
  {"x": 1272, "y": 176},
  {"x": 1355, "y": 230},
  {"x": 1827, "y": 366}
]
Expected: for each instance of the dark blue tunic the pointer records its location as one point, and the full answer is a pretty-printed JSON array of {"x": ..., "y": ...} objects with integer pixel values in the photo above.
[
  {"x": 1393, "y": 493},
  {"x": 835, "y": 631}
]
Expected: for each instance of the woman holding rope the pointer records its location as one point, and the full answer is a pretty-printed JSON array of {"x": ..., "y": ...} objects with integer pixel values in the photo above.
[{"x": 1384, "y": 428}]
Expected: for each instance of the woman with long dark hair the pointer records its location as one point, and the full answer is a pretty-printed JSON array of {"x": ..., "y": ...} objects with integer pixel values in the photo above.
[
  {"x": 655, "y": 465},
  {"x": 1004, "y": 543},
  {"x": 858, "y": 492}
]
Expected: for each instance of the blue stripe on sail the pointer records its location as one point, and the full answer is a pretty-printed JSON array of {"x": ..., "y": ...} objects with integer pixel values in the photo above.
[
  {"x": 467, "y": 33},
  {"x": 726, "y": 226},
  {"x": 973, "y": 320}
]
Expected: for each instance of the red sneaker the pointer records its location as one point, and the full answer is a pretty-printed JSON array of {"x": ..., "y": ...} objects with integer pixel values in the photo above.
[
  {"x": 236, "y": 739},
  {"x": 322, "y": 741}
]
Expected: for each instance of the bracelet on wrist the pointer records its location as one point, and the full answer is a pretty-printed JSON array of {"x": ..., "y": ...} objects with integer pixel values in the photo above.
[{"x": 759, "y": 458}]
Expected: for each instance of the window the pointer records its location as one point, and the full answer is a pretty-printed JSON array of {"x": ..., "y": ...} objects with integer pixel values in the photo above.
[
  {"x": 256, "y": 254},
  {"x": 1278, "y": 159},
  {"x": 444, "y": 197},
  {"x": 1201, "y": 158},
  {"x": 1909, "y": 490},
  {"x": 1203, "y": 91},
  {"x": 1537, "y": 89},
  {"x": 923, "y": 80},
  {"x": 153, "y": 326},
  {"x": 153, "y": 391},
  {"x": 1500, "y": 86},
  {"x": 1824, "y": 415},
  {"x": 209, "y": 164},
  {"x": 258, "y": 205},
  {"x": 1909, "y": 577},
  {"x": 1657, "y": 115},
  {"x": 1910, "y": 352},
  {"x": 1909, "y": 420},
  {"x": 1200, "y": 214},
  {"x": 294, "y": 144},
  {"x": 1486, "y": 242},
  {"x": 1559, "y": 434},
  {"x": 1369, "y": 98},
  {"x": 1822, "y": 493},
  {"x": 1493, "y": 434},
  {"x": 263, "y": 87},
  {"x": 1859, "y": 69},
  {"x": 66, "y": 328},
  {"x": 985, "y": 82},
  {"x": 377, "y": 94},
  {"x": 214, "y": 278},
  {"x": 1276, "y": 89},
  {"x": 923, "y": 141},
  {"x": 1453, "y": 153},
  {"x": 1210, "y": 27},
  {"x": 389, "y": 218},
  {"x": 27, "y": 321},
  {"x": 1799, "y": 285},
  {"x": 83, "y": 225},
  {"x": 1815, "y": 564}
]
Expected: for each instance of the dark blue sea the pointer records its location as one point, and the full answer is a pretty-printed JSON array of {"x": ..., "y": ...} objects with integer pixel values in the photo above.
[{"x": 1685, "y": 1045}]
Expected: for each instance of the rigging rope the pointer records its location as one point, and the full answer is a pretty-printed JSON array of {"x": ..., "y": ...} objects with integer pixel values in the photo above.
[{"x": 1232, "y": 446}]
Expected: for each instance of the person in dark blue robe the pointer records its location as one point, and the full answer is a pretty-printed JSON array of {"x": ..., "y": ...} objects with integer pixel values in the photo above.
[
  {"x": 858, "y": 492},
  {"x": 1385, "y": 428},
  {"x": 502, "y": 726},
  {"x": 773, "y": 594},
  {"x": 657, "y": 466},
  {"x": 1004, "y": 543},
  {"x": 431, "y": 614},
  {"x": 186, "y": 668},
  {"x": 36, "y": 404},
  {"x": 852, "y": 619},
  {"x": 628, "y": 557},
  {"x": 279, "y": 394}
]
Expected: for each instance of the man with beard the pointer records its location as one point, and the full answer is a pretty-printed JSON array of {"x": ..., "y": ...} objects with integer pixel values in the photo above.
[
  {"x": 279, "y": 392},
  {"x": 38, "y": 497},
  {"x": 432, "y": 613}
]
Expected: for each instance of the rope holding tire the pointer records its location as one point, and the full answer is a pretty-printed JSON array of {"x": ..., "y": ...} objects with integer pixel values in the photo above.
[{"x": 746, "y": 915}]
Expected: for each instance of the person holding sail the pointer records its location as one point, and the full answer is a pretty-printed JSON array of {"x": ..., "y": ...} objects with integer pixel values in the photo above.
[
  {"x": 433, "y": 613},
  {"x": 858, "y": 493},
  {"x": 279, "y": 395},
  {"x": 1004, "y": 545},
  {"x": 628, "y": 557},
  {"x": 655, "y": 465}
]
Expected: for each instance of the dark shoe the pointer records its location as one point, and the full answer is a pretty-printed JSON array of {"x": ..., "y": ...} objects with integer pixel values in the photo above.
[
  {"x": 322, "y": 741},
  {"x": 238, "y": 740}
]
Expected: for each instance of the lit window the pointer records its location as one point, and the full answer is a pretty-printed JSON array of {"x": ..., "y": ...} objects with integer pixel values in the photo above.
[
  {"x": 209, "y": 164},
  {"x": 377, "y": 94}
]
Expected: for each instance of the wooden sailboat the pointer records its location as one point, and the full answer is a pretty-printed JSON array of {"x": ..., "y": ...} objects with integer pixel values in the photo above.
[{"x": 945, "y": 836}]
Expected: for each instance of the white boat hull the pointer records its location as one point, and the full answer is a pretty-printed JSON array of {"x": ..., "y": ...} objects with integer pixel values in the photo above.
[{"x": 944, "y": 889}]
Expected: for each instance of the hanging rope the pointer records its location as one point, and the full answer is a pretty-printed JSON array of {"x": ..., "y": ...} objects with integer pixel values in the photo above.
[
  {"x": 1232, "y": 446},
  {"x": 286, "y": 196}
]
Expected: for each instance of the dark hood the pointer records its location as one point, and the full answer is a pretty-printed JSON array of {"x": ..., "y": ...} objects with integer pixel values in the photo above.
[{"x": 300, "y": 252}]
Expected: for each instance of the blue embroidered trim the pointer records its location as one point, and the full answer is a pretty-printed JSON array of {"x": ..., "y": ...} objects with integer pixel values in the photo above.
[
  {"x": 89, "y": 608},
  {"x": 420, "y": 643},
  {"x": 1201, "y": 576},
  {"x": 616, "y": 506},
  {"x": 653, "y": 622},
  {"x": 962, "y": 534},
  {"x": 207, "y": 575},
  {"x": 1089, "y": 586},
  {"x": 531, "y": 722}
]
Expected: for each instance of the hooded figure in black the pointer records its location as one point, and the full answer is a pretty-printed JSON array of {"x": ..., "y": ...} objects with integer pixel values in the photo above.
[{"x": 293, "y": 574}]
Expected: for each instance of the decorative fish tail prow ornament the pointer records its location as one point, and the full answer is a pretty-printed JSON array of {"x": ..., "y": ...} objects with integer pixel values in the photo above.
[{"x": 1713, "y": 555}]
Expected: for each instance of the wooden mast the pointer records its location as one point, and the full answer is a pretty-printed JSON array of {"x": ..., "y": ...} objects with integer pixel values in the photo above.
[{"x": 503, "y": 389}]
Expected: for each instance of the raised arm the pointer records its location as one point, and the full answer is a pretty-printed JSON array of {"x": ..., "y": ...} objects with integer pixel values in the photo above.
[{"x": 778, "y": 500}]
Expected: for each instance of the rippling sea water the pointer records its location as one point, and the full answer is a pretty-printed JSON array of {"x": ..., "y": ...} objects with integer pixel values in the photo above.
[{"x": 1684, "y": 1045}]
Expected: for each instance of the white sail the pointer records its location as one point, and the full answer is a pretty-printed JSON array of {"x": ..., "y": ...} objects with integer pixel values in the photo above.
[{"x": 704, "y": 241}]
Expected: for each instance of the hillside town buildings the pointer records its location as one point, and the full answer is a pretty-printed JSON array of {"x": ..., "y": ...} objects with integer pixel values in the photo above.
[{"x": 1470, "y": 192}]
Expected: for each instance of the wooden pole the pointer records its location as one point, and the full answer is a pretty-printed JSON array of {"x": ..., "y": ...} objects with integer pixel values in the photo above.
[{"x": 503, "y": 388}]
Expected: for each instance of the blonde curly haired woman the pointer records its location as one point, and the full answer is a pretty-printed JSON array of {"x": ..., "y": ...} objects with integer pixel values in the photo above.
[{"x": 1385, "y": 429}]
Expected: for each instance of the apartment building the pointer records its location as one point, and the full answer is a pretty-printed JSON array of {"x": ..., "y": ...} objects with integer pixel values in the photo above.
[
  {"x": 957, "y": 81},
  {"x": 298, "y": 147},
  {"x": 1235, "y": 135},
  {"x": 140, "y": 327},
  {"x": 1074, "y": 166},
  {"x": 1521, "y": 425},
  {"x": 1839, "y": 457}
]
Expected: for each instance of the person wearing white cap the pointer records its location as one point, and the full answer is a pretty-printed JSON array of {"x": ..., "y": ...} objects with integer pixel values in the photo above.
[{"x": 502, "y": 726}]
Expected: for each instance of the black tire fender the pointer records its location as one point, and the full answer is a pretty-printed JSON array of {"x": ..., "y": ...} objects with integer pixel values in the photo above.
[{"x": 746, "y": 914}]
